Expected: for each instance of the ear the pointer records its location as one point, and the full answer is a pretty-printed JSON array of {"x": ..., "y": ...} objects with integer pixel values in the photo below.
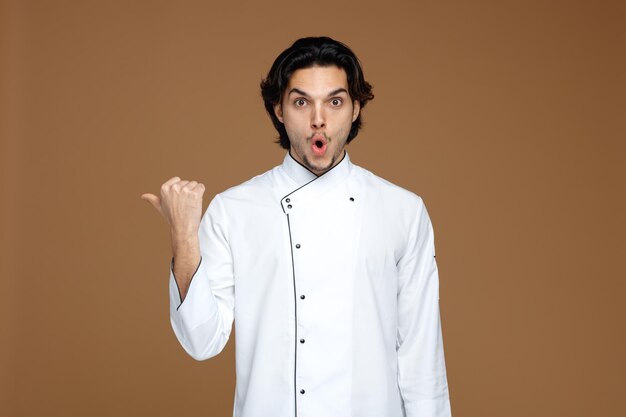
[
  {"x": 356, "y": 109},
  {"x": 278, "y": 111}
]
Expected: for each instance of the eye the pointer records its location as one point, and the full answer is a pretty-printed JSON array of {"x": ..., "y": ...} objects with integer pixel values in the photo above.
[
  {"x": 299, "y": 102},
  {"x": 336, "y": 102}
]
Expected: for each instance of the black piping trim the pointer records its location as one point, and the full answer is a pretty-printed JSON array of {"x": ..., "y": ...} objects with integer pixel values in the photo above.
[
  {"x": 293, "y": 272},
  {"x": 180, "y": 297},
  {"x": 295, "y": 305},
  {"x": 298, "y": 162},
  {"x": 287, "y": 195},
  {"x": 317, "y": 177}
]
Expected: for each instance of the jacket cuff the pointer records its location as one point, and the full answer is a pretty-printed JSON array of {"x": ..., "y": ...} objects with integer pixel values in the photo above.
[{"x": 176, "y": 300}]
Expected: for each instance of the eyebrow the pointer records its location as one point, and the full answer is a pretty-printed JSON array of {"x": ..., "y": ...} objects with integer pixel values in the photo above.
[{"x": 332, "y": 93}]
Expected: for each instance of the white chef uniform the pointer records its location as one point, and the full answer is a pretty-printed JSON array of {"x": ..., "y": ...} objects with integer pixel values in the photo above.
[{"x": 333, "y": 288}]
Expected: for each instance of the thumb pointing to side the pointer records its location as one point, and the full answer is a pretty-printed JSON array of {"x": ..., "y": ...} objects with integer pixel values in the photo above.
[{"x": 154, "y": 200}]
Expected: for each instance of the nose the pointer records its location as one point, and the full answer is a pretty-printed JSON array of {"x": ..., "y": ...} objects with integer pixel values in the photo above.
[{"x": 318, "y": 119}]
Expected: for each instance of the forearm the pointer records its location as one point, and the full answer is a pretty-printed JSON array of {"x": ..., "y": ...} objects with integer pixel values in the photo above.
[
  {"x": 202, "y": 275},
  {"x": 186, "y": 254}
]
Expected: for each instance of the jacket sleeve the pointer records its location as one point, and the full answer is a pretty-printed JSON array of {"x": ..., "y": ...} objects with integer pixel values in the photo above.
[
  {"x": 203, "y": 321},
  {"x": 421, "y": 365}
]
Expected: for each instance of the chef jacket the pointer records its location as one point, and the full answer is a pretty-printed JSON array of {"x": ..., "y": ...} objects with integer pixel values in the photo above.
[{"x": 333, "y": 287}]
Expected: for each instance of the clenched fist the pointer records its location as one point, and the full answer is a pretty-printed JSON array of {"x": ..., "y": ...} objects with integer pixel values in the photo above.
[{"x": 180, "y": 204}]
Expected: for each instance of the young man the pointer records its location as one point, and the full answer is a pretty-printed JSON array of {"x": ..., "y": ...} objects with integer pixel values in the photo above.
[{"x": 327, "y": 270}]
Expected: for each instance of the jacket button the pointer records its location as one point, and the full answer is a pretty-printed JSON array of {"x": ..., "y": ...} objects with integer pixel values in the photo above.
[
  {"x": 302, "y": 297},
  {"x": 287, "y": 200},
  {"x": 301, "y": 340},
  {"x": 301, "y": 391},
  {"x": 297, "y": 246},
  {"x": 288, "y": 205}
]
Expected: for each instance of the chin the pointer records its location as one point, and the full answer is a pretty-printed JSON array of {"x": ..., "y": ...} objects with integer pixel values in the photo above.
[{"x": 318, "y": 166}]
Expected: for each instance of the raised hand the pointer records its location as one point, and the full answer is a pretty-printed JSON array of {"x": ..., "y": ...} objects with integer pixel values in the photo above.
[{"x": 180, "y": 204}]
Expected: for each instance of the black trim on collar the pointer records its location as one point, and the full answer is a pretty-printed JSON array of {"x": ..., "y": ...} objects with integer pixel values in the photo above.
[
  {"x": 303, "y": 166},
  {"x": 316, "y": 176}
]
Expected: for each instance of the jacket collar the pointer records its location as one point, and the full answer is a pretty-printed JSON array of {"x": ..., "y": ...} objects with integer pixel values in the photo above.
[
  {"x": 309, "y": 185},
  {"x": 296, "y": 171}
]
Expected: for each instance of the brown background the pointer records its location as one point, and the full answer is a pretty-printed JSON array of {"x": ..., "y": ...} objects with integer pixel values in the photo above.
[{"x": 506, "y": 117}]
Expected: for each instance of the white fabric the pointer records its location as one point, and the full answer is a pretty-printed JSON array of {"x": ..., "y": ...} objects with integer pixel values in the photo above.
[{"x": 361, "y": 252}]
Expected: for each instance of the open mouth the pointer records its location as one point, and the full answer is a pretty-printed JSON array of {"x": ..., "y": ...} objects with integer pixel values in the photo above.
[{"x": 318, "y": 145}]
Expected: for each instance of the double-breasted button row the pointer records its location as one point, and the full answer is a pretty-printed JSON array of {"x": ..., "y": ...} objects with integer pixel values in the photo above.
[{"x": 287, "y": 202}]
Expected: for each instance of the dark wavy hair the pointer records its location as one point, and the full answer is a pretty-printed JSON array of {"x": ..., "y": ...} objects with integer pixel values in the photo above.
[{"x": 306, "y": 53}]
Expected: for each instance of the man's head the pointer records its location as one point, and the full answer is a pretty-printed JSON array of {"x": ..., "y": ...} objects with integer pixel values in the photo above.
[{"x": 314, "y": 93}]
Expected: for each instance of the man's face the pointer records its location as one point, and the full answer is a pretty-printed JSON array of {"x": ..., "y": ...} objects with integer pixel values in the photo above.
[{"x": 317, "y": 112}]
